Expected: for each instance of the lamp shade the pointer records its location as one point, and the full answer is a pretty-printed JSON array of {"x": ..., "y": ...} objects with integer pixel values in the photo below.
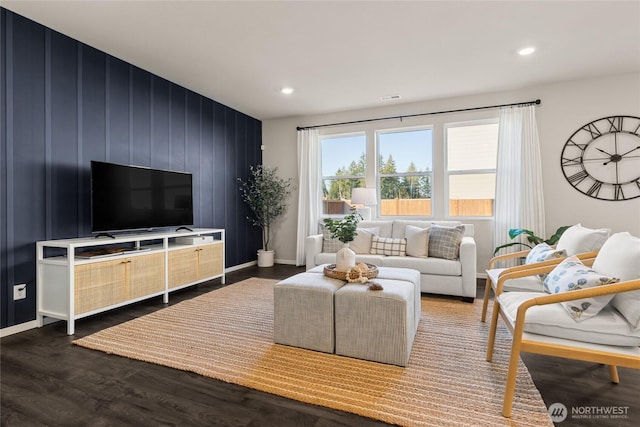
[{"x": 364, "y": 196}]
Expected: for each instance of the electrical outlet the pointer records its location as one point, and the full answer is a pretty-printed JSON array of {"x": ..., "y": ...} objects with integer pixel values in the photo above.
[{"x": 19, "y": 291}]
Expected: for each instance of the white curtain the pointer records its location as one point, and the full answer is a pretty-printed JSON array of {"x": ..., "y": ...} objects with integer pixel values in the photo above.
[
  {"x": 519, "y": 199},
  {"x": 309, "y": 193}
]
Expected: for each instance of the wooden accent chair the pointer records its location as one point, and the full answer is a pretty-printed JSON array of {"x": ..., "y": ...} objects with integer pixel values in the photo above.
[
  {"x": 576, "y": 240},
  {"x": 540, "y": 323}
]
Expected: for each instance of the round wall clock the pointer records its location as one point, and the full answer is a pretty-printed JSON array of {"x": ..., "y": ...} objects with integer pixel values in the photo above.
[{"x": 602, "y": 158}]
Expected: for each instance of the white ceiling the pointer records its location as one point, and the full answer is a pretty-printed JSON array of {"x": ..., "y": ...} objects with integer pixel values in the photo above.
[{"x": 346, "y": 55}]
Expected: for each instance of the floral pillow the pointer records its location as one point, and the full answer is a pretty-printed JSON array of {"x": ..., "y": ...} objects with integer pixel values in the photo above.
[
  {"x": 544, "y": 252},
  {"x": 572, "y": 275}
]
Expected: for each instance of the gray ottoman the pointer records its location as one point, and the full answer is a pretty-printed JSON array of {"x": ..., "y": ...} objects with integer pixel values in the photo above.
[
  {"x": 404, "y": 274},
  {"x": 304, "y": 311},
  {"x": 376, "y": 325}
]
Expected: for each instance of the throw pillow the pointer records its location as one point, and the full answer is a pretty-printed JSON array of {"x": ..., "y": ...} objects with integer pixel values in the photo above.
[
  {"x": 361, "y": 244},
  {"x": 543, "y": 252},
  {"x": 388, "y": 246},
  {"x": 572, "y": 275},
  {"x": 330, "y": 245},
  {"x": 444, "y": 242},
  {"x": 620, "y": 256},
  {"x": 578, "y": 239},
  {"x": 417, "y": 241}
]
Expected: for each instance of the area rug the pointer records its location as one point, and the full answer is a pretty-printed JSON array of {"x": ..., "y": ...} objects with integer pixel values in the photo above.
[{"x": 227, "y": 334}]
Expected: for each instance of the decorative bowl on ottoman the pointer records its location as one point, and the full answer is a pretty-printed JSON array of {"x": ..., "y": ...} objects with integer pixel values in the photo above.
[{"x": 361, "y": 270}]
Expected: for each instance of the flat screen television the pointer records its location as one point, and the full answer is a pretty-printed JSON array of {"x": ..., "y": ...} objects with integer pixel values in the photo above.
[{"x": 133, "y": 198}]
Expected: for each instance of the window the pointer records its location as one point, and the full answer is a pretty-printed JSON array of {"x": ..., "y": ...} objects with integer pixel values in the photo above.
[
  {"x": 405, "y": 169},
  {"x": 343, "y": 168},
  {"x": 471, "y": 151}
]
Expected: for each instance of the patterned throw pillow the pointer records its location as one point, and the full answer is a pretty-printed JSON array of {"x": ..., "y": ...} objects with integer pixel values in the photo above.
[
  {"x": 444, "y": 242},
  {"x": 544, "y": 252},
  {"x": 388, "y": 246},
  {"x": 330, "y": 245},
  {"x": 572, "y": 275}
]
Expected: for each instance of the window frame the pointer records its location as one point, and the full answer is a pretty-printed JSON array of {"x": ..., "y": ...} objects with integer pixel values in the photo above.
[
  {"x": 362, "y": 133},
  {"x": 447, "y": 173},
  {"x": 379, "y": 175}
]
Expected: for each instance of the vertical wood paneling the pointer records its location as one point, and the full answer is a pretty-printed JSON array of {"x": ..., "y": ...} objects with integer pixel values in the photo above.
[
  {"x": 63, "y": 210},
  {"x": 64, "y": 104},
  {"x": 27, "y": 203}
]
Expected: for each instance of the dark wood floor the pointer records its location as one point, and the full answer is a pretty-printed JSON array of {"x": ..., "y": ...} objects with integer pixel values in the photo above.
[{"x": 47, "y": 381}]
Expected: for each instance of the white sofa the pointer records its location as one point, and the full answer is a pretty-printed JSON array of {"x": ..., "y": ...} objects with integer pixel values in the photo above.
[{"x": 455, "y": 277}]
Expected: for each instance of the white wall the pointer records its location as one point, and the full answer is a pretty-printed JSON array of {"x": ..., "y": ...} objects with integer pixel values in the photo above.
[{"x": 565, "y": 107}]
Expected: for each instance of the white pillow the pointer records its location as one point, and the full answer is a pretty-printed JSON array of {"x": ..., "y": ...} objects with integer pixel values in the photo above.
[
  {"x": 620, "y": 257},
  {"x": 417, "y": 241},
  {"x": 361, "y": 244},
  {"x": 572, "y": 275},
  {"x": 578, "y": 239}
]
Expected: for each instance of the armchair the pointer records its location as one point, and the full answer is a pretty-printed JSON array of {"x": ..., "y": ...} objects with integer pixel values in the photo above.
[
  {"x": 540, "y": 324},
  {"x": 576, "y": 240}
]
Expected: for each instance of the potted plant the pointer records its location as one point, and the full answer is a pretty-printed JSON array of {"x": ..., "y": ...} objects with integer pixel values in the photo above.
[
  {"x": 266, "y": 194},
  {"x": 344, "y": 229},
  {"x": 531, "y": 238}
]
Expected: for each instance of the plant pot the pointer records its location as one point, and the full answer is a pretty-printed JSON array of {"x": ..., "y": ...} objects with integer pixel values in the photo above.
[
  {"x": 265, "y": 258},
  {"x": 345, "y": 259}
]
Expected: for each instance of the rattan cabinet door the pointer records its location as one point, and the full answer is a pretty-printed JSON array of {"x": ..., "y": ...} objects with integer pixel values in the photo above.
[
  {"x": 100, "y": 284},
  {"x": 183, "y": 266},
  {"x": 210, "y": 260},
  {"x": 146, "y": 275}
]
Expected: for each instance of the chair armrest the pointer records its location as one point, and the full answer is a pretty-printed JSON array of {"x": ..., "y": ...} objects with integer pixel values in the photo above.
[
  {"x": 313, "y": 246},
  {"x": 504, "y": 257},
  {"x": 582, "y": 257},
  {"x": 587, "y": 259}
]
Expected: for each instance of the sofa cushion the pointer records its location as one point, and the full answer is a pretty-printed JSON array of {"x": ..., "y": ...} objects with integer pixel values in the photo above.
[
  {"x": 619, "y": 257},
  {"x": 388, "y": 246},
  {"x": 572, "y": 275},
  {"x": 361, "y": 244},
  {"x": 329, "y": 258},
  {"x": 578, "y": 239},
  {"x": 431, "y": 266},
  {"x": 444, "y": 242},
  {"x": 608, "y": 327},
  {"x": 417, "y": 241},
  {"x": 519, "y": 284}
]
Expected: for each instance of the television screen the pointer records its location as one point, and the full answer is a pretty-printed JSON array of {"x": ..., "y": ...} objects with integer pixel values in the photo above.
[{"x": 132, "y": 198}]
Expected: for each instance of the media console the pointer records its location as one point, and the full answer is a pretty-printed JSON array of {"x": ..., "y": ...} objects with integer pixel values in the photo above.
[{"x": 72, "y": 284}]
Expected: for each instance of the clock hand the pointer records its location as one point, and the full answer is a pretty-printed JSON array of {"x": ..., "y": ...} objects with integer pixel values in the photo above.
[
  {"x": 634, "y": 149},
  {"x": 602, "y": 151},
  {"x": 617, "y": 157}
]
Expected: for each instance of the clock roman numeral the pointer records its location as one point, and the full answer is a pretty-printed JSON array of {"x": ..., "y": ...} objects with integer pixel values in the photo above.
[
  {"x": 571, "y": 162},
  {"x": 593, "y": 130},
  {"x": 637, "y": 181},
  {"x": 615, "y": 123},
  {"x": 578, "y": 177},
  {"x": 617, "y": 191},
  {"x": 582, "y": 147},
  {"x": 594, "y": 189}
]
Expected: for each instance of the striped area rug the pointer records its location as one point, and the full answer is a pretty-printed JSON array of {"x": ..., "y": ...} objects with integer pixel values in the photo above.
[{"x": 227, "y": 335}]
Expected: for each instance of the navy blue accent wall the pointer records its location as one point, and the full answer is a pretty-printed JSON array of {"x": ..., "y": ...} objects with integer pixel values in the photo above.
[{"x": 63, "y": 104}]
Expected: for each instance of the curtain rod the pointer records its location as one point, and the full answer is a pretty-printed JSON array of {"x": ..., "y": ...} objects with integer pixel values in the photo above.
[{"x": 516, "y": 104}]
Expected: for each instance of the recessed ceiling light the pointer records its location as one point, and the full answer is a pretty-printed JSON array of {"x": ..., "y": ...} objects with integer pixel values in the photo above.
[
  {"x": 287, "y": 90},
  {"x": 526, "y": 51}
]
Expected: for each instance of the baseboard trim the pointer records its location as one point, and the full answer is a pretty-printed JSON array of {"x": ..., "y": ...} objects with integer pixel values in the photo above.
[{"x": 15, "y": 329}]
